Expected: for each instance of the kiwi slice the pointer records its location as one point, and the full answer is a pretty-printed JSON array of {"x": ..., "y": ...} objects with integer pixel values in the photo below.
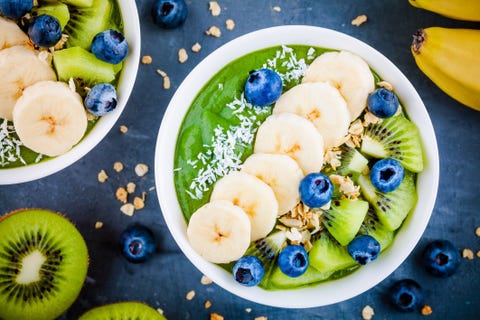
[
  {"x": 86, "y": 22},
  {"x": 352, "y": 162},
  {"x": 278, "y": 280},
  {"x": 327, "y": 255},
  {"x": 78, "y": 63},
  {"x": 397, "y": 138},
  {"x": 392, "y": 207},
  {"x": 123, "y": 311},
  {"x": 344, "y": 219},
  {"x": 43, "y": 264},
  {"x": 373, "y": 227},
  {"x": 267, "y": 250},
  {"x": 56, "y": 9}
]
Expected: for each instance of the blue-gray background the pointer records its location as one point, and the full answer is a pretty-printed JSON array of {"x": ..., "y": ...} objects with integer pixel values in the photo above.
[{"x": 164, "y": 281}]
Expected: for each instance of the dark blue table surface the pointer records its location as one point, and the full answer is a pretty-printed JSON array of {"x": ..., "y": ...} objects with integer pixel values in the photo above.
[{"x": 164, "y": 281}]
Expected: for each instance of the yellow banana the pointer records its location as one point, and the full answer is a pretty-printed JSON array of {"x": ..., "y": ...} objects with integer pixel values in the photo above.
[
  {"x": 450, "y": 58},
  {"x": 455, "y": 9}
]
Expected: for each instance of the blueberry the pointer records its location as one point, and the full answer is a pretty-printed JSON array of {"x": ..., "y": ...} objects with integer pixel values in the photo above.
[
  {"x": 315, "y": 190},
  {"x": 15, "y": 9},
  {"x": 263, "y": 87},
  {"x": 45, "y": 31},
  {"x": 387, "y": 174},
  {"x": 101, "y": 99},
  {"x": 248, "y": 271},
  {"x": 383, "y": 103},
  {"x": 110, "y": 46},
  {"x": 137, "y": 243},
  {"x": 364, "y": 249},
  {"x": 169, "y": 14},
  {"x": 406, "y": 295},
  {"x": 293, "y": 260},
  {"x": 441, "y": 258}
]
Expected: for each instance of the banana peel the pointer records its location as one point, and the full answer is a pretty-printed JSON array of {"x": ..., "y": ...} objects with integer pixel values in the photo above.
[
  {"x": 456, "y": 9},
  {"x": 451, "y": 59}
]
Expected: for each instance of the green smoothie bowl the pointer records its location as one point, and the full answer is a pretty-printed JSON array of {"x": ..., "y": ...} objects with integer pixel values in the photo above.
[
  {"x": 231, "y": 169},
  {"x": 63, "y": 93}
]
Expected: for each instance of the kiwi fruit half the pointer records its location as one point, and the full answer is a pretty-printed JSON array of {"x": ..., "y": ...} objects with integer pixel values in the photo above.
[
  {"x": 397, "y": 138},
  {"x": 327, "y": 255},
  {"x": 123, "y": 311},
  {"x": 43, "y": 264},
  {"x": 344, "y": 219},
  {"x": 393, "y": 207}
]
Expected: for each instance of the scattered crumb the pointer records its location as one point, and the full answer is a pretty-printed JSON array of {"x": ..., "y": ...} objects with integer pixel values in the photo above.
[
  {"x": 118, "y": 166},
  {"x": 151, "y": 188},
  {"x": 467, "y": 253},
  {"x": 426, "y": 310},
  {"x": 190, "y": 295},
  {"x": 121, "y": 194},
  {"x": 205, "y": 280},
  {"x": 213, "y": 31},
  {"x": 131, "y": 187},
  {"x": 230, "y": 24},
  {"x": 182, "y": 55},
  {"x": 248, "y": 310},
  {"x": 166, "y": 83},
  {"x": 127, "y": 209},
  {"x": 123, "y": 129},
  {"x": 98, "y": 225},
  {"x": 161, "y": 73},
  {"x": 147, "y": 60},
  {"x": 477, "y": 231},
  {"x": 196, "y": 47},
  {"x": 207, "y": 304},
  {"x": 367, "y": 312},
  {"x": 386, "y": 85},
  {"x": 159, "y": 310},
  {"x": 478, "y": 253},
  {"x": 138, "y": 203},
  {"x": 261, "y": 318},
  {"x": 215, "y": 316},
  {"x": 361, "y": 19},
  {"x": 214, "y": 8},
  {"x": 277, "y": 9},
  {"x": 102, "y": 176},
  {"x": 141, "y": 169}
]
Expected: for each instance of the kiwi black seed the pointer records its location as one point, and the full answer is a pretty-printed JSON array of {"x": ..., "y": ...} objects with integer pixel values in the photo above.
[
  {"x": 397, "y": 138},
  {"x": 43, "y": 264},
  {"x": 123, "y": 310},
  {"x": 393, "y": 207},
  {"x": 267, "y": 250}
]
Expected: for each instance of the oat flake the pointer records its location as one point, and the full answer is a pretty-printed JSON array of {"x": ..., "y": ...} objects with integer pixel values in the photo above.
[
  {"x": 207, "y": 304},
  {"x": 182, "y": 55},
  {"x": 367, "y": 312},
  {"x": 127, "y": 209},
  {"x": 386, "y": 85},
  {"x": 102, "y": 176},
  {"x": 123, "y": 129},
  {"x": 138, "y": 203},
  {"x": 467, "y": 253},
  {"x": 277, "y": 9},
  {"x": 229, "y": 24},
  {"x": 131, "y": 187},
  {"x": 121, "y": 194},
  {"x": 214, "y": 31},
  {"x": 358, "y": 21},
  {"x": 141, "y": 169},
  {"x": 205, "y": 280},
  {"x": 477, "y": 231},
  {"x": 214, "y": 8},
  {"x": 98, "y": 225},
  {"x": 196, "y": 47},
  {"x": 118, "y": 166},
  {"x": 215, "y": 316},
  {"x": 147, "y": 59},
  {"x": 190, "y": 295},
  {"x": 426, "y": 310}
]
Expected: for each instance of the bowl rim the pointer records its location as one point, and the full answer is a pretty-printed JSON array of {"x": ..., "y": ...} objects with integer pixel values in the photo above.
[
  {"x": 125, "y": 86},
  {"x": 331, "y": 291}
]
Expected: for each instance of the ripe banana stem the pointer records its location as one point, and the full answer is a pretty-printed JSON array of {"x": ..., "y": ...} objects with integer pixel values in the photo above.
[{"x": 450, "y": 58}]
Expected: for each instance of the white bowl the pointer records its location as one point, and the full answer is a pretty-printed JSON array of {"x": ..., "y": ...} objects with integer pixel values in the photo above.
[
  {"x": 331, "y": 291},
  {"x": 42, "y": 169}
]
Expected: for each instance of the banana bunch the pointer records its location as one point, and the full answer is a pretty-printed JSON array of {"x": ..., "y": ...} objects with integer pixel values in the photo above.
[
  {"x": 48, "y": 116},
  {"x": 456, "y": 9},
  {"x": 306, "y": 120}
]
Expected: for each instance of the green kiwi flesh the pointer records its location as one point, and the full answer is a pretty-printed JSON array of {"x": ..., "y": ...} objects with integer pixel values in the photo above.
[
  {"x": 79, "y": 3},
  {"x": 123, "y": 311},
  {"x": 392, "y": 207},
  {"x": 58, "y": 10},
  {"x": 327, "y": 255},
  {"x": 395, "y": 137},
  {"x": 43, "y": 264},
  {"x": 352, "y": 163},
  {"x": 86, "y": 22},
  {"x": 278, "y": 280},
  {"x": 267, "y": 250},
  {"x": 344, "y": 219},
  {"x": 78, "y": 63},
  {"x": 373, "y": 227}
]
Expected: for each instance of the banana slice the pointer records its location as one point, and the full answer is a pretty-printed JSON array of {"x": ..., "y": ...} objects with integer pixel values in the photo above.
[
  {"x": 347, "y": 72},
  {"x": 320, "y": 103},
  {"x": 281, "y": 173},
  {"x": 19, "y": 68},
  {"x": 251, "y": 194},
  {"x": 11, "y": 34},
  {"x": 287, "y": 133},
  {"x": 50, "y": 118},
  {"x": 219, "y": 231}
]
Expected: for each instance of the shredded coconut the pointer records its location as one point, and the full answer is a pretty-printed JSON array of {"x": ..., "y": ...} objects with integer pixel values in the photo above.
[
  {"x": 295, "y": 67},
  {"x": 10, "y": 145}
]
